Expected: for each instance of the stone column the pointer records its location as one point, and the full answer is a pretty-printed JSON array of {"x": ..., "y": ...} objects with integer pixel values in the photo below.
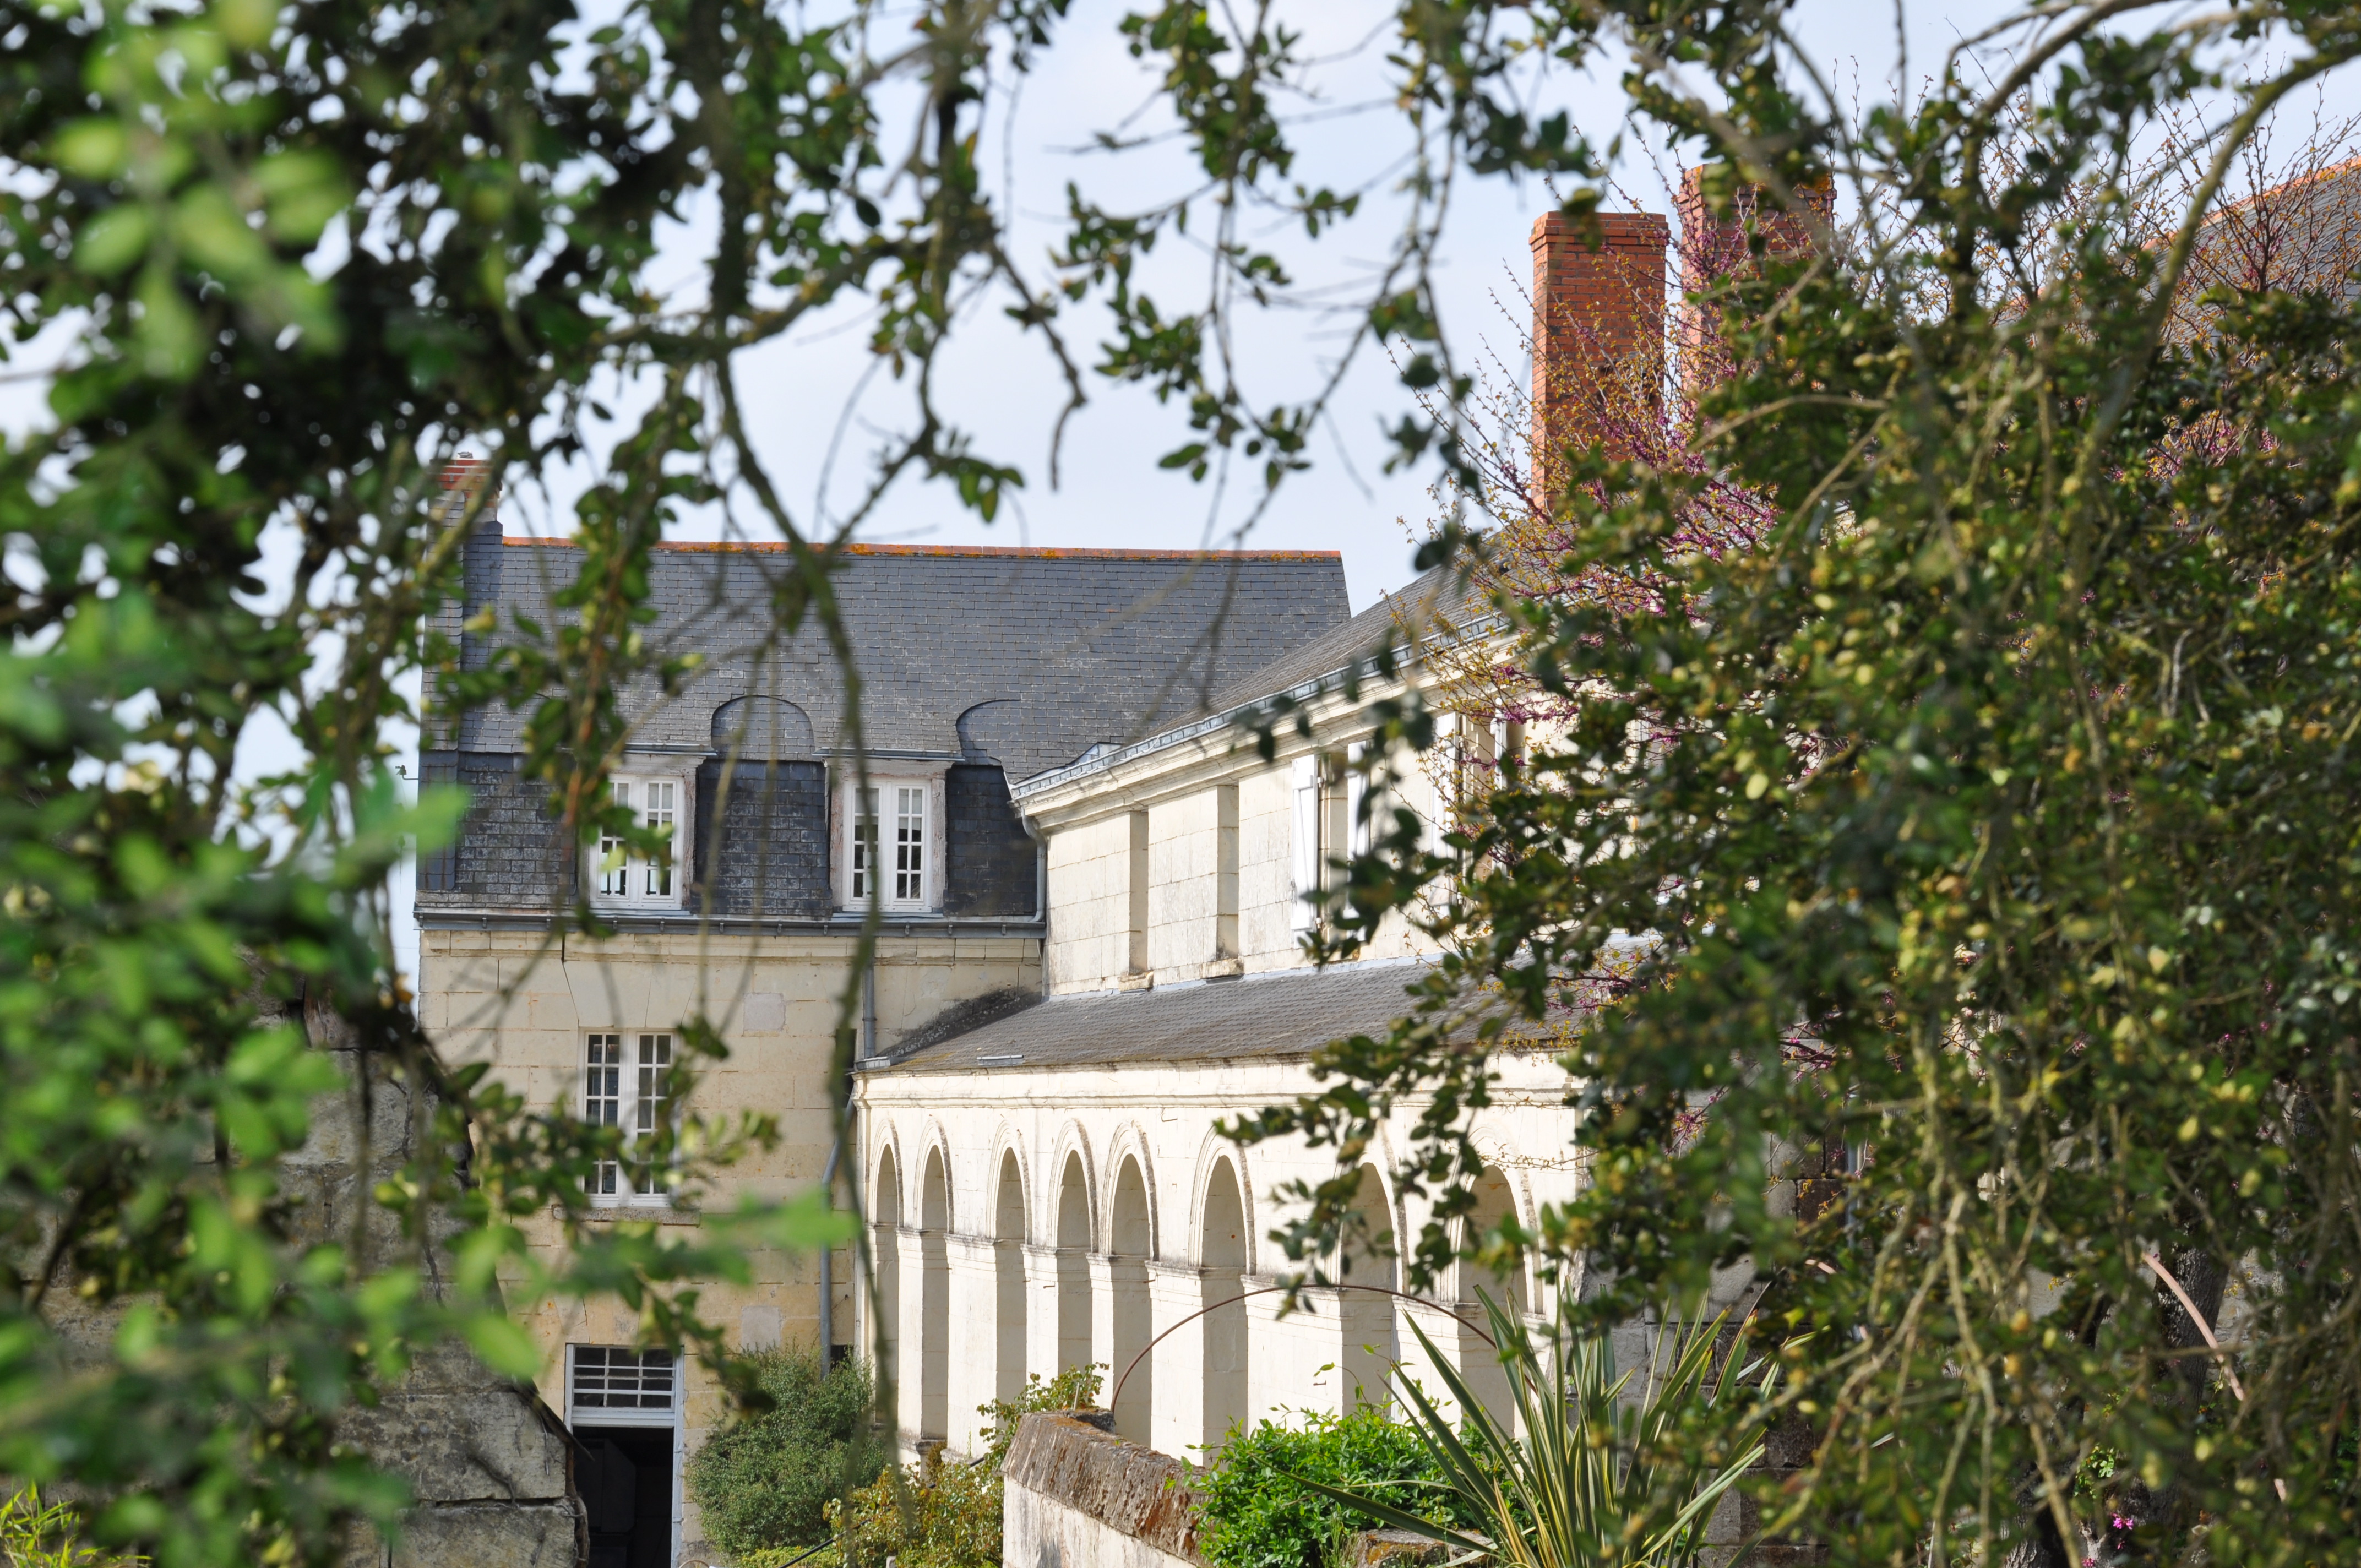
[
  {"x": 1123, "y": 1320},
  {"x": 1455, "y": 1334},
  {"x": 910, "y": 1343},
  {"x": 1176, "y": 1291},
  {"x": 1043, "y": 1266},
  {"x": 1074, "y": 1302},
  {"x": 975, "y": 1337},
  {"x": 1298, "y": 1360}
]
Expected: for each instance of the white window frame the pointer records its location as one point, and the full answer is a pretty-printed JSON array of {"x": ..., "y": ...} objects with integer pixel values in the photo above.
[
  {"x": 905, "y": 894},
  {"x": 672, "y": 1416},
  {"x": 647, "y": 885},
  {"x": 626, "y": 1083}
]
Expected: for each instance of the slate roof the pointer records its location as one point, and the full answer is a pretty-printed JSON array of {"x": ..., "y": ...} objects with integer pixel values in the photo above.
[
  {"x": 1412, "y": 609},
  {"x": 1439, "y": 602},
  {"x": 1069, "y": 648},
  {"x": 1288, "y": 1012}
]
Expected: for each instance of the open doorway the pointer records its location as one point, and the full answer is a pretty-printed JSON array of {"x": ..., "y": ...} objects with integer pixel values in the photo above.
[
  {"x": 623, "y": 1408},
  {"x": 624, "y": 1475}
]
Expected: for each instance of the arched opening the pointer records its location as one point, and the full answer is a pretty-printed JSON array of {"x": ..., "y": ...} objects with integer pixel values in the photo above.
[
  {"x": 1224, "y": 1251},
  {"x": 1074, "y": 1267},
  {"x": 1130, "y": 1243},
  {"x": 1008, "y": 1265},
  {"x": 1495, "y": 1202},
  {"x": 935, "y": 1299},
  {"x": 886, "y": 1244},
  {"x": 1372, "y": 1344}
]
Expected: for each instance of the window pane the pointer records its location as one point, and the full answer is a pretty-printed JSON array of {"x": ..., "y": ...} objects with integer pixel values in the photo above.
[
  {"x": 614, "y": 875},
  {"x": 602, "y": 1101},
  {"x": 655, "y": 1059},
  {"x": 609, "y": 1377},
  {"x": 864, "y": 842},
  {"x": 910, "y": 846},
  {"x": 658, "y": 815}
]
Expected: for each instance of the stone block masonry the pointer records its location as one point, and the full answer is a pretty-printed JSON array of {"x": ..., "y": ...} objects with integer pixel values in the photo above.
[{"x": 1079, "y": 1497}]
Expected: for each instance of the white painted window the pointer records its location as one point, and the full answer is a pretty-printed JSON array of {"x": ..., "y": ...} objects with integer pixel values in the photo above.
[
  {"x": 890, "y": 845},
  {"x": 627, "y": 1083},
  {"x": 657, "y": 805},
  {"x": 602, "y": 1104},
  {"x": 606, "y": 1380},
  {"x": 1308, "y": 863}
]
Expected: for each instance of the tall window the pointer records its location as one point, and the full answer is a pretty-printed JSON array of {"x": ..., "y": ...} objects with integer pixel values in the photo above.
[
  {"x": 909, "y": 845},
  {"x": 864, "y": 845},
  {"x": 602, "y": 1103},
  {"x": 627, "y": 1083},
  {"x": 655, "y": 806},
  {"x": 888, "y": 848}
]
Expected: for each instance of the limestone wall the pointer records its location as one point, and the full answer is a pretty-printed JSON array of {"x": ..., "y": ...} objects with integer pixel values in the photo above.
[
  {"x": 1093, "y": 859},
  {"x": 1075, "y": 1495},
  {"x": 527, "y": 1005}
]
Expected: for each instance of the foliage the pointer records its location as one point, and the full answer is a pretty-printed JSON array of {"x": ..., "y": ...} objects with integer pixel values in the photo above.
[
  {"x": 766, "y": 1480},
  {"x": 1957, "y": 886},
  {"x": 1255, "y": 1508},
  {"x": 33, "y": 1536},
  {"x": 943, "y": 1514},
  {"x": 2009, "y": 764},
  {"x": 1584, "y": 1469},
  {"x": 1072, "y": 1388}
]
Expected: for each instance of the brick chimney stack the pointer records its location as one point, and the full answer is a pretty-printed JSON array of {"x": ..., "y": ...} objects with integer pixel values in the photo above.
[
  {"x": 1714, "y": 247},
  {"x": 1598, "y": 334},
  {"x": 462, "y": 482}
]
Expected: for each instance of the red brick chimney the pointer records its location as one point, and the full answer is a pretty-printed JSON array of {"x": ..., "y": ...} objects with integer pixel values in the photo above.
[
  {"x": 1715, "y": 245},
  {"x": 1598, "y": 335}
]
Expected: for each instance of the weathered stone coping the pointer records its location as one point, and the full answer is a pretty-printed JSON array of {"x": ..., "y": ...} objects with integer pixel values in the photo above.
[{"x": 1070, "y": 1457}]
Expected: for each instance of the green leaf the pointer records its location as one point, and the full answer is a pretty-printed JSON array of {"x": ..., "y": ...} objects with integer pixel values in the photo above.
[
  {"x": 113, "y": 240},
  {"x": 503, "y": 1344},
  {"x": 95, "y": 148}
]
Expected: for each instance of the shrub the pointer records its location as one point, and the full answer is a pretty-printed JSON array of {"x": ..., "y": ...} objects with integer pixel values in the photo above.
[
  {"x": 767, "y": 1481},
  {"x": 948, "y": 1515},
  {"x": 32, "y": 1536},
  {"x": 1253, "y": 1510}
]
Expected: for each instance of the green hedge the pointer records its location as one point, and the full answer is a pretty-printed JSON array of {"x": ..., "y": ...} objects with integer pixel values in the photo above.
[
  {"x": 765, "y": 1481},
  {"x": 1253, "y": 1513}
]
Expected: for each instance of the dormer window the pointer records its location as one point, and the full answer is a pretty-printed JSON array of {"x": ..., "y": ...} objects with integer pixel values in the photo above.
[
  {"x": 891, "y": 836},
  {"x": 622, "y": 875}
]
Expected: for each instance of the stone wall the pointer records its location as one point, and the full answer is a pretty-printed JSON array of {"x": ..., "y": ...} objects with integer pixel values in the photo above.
[
  {"x": 1078, "y": 1497},
  {"x": 489, "y": 1463}
]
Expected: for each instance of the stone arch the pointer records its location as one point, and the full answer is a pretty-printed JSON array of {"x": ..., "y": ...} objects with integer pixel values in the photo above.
[
  {"x": 935, "y": 1294},
  {"x": 1496, "y": 1200},
  {"x": 885, "y": 1251},
  {"x": 1007, "y": 1144},
  {"x": 1131, "y": 1242},
  {"x": 763, "y": 730},
  {"x": 1073, "y": 1236},
  {"x": 1130, "y": 1143},
  {"x": 1222, "y": 1244},
  {"x": 1008, "y": 1235},
  {"x": 1072, "y": 1140},
  {"x": 1211, "y": 1154}
]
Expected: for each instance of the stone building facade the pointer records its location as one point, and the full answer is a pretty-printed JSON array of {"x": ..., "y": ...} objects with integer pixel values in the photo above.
[
  {"x": 1053, "y": 1187},
  {"x": 980, "y": 666}
]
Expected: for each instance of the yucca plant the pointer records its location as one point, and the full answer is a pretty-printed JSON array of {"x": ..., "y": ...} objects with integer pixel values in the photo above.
[{"x": 1586, "y": 1478}]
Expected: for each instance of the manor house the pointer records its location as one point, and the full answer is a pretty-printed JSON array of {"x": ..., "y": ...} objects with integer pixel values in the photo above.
[{"x": 1095, "y": 892}]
